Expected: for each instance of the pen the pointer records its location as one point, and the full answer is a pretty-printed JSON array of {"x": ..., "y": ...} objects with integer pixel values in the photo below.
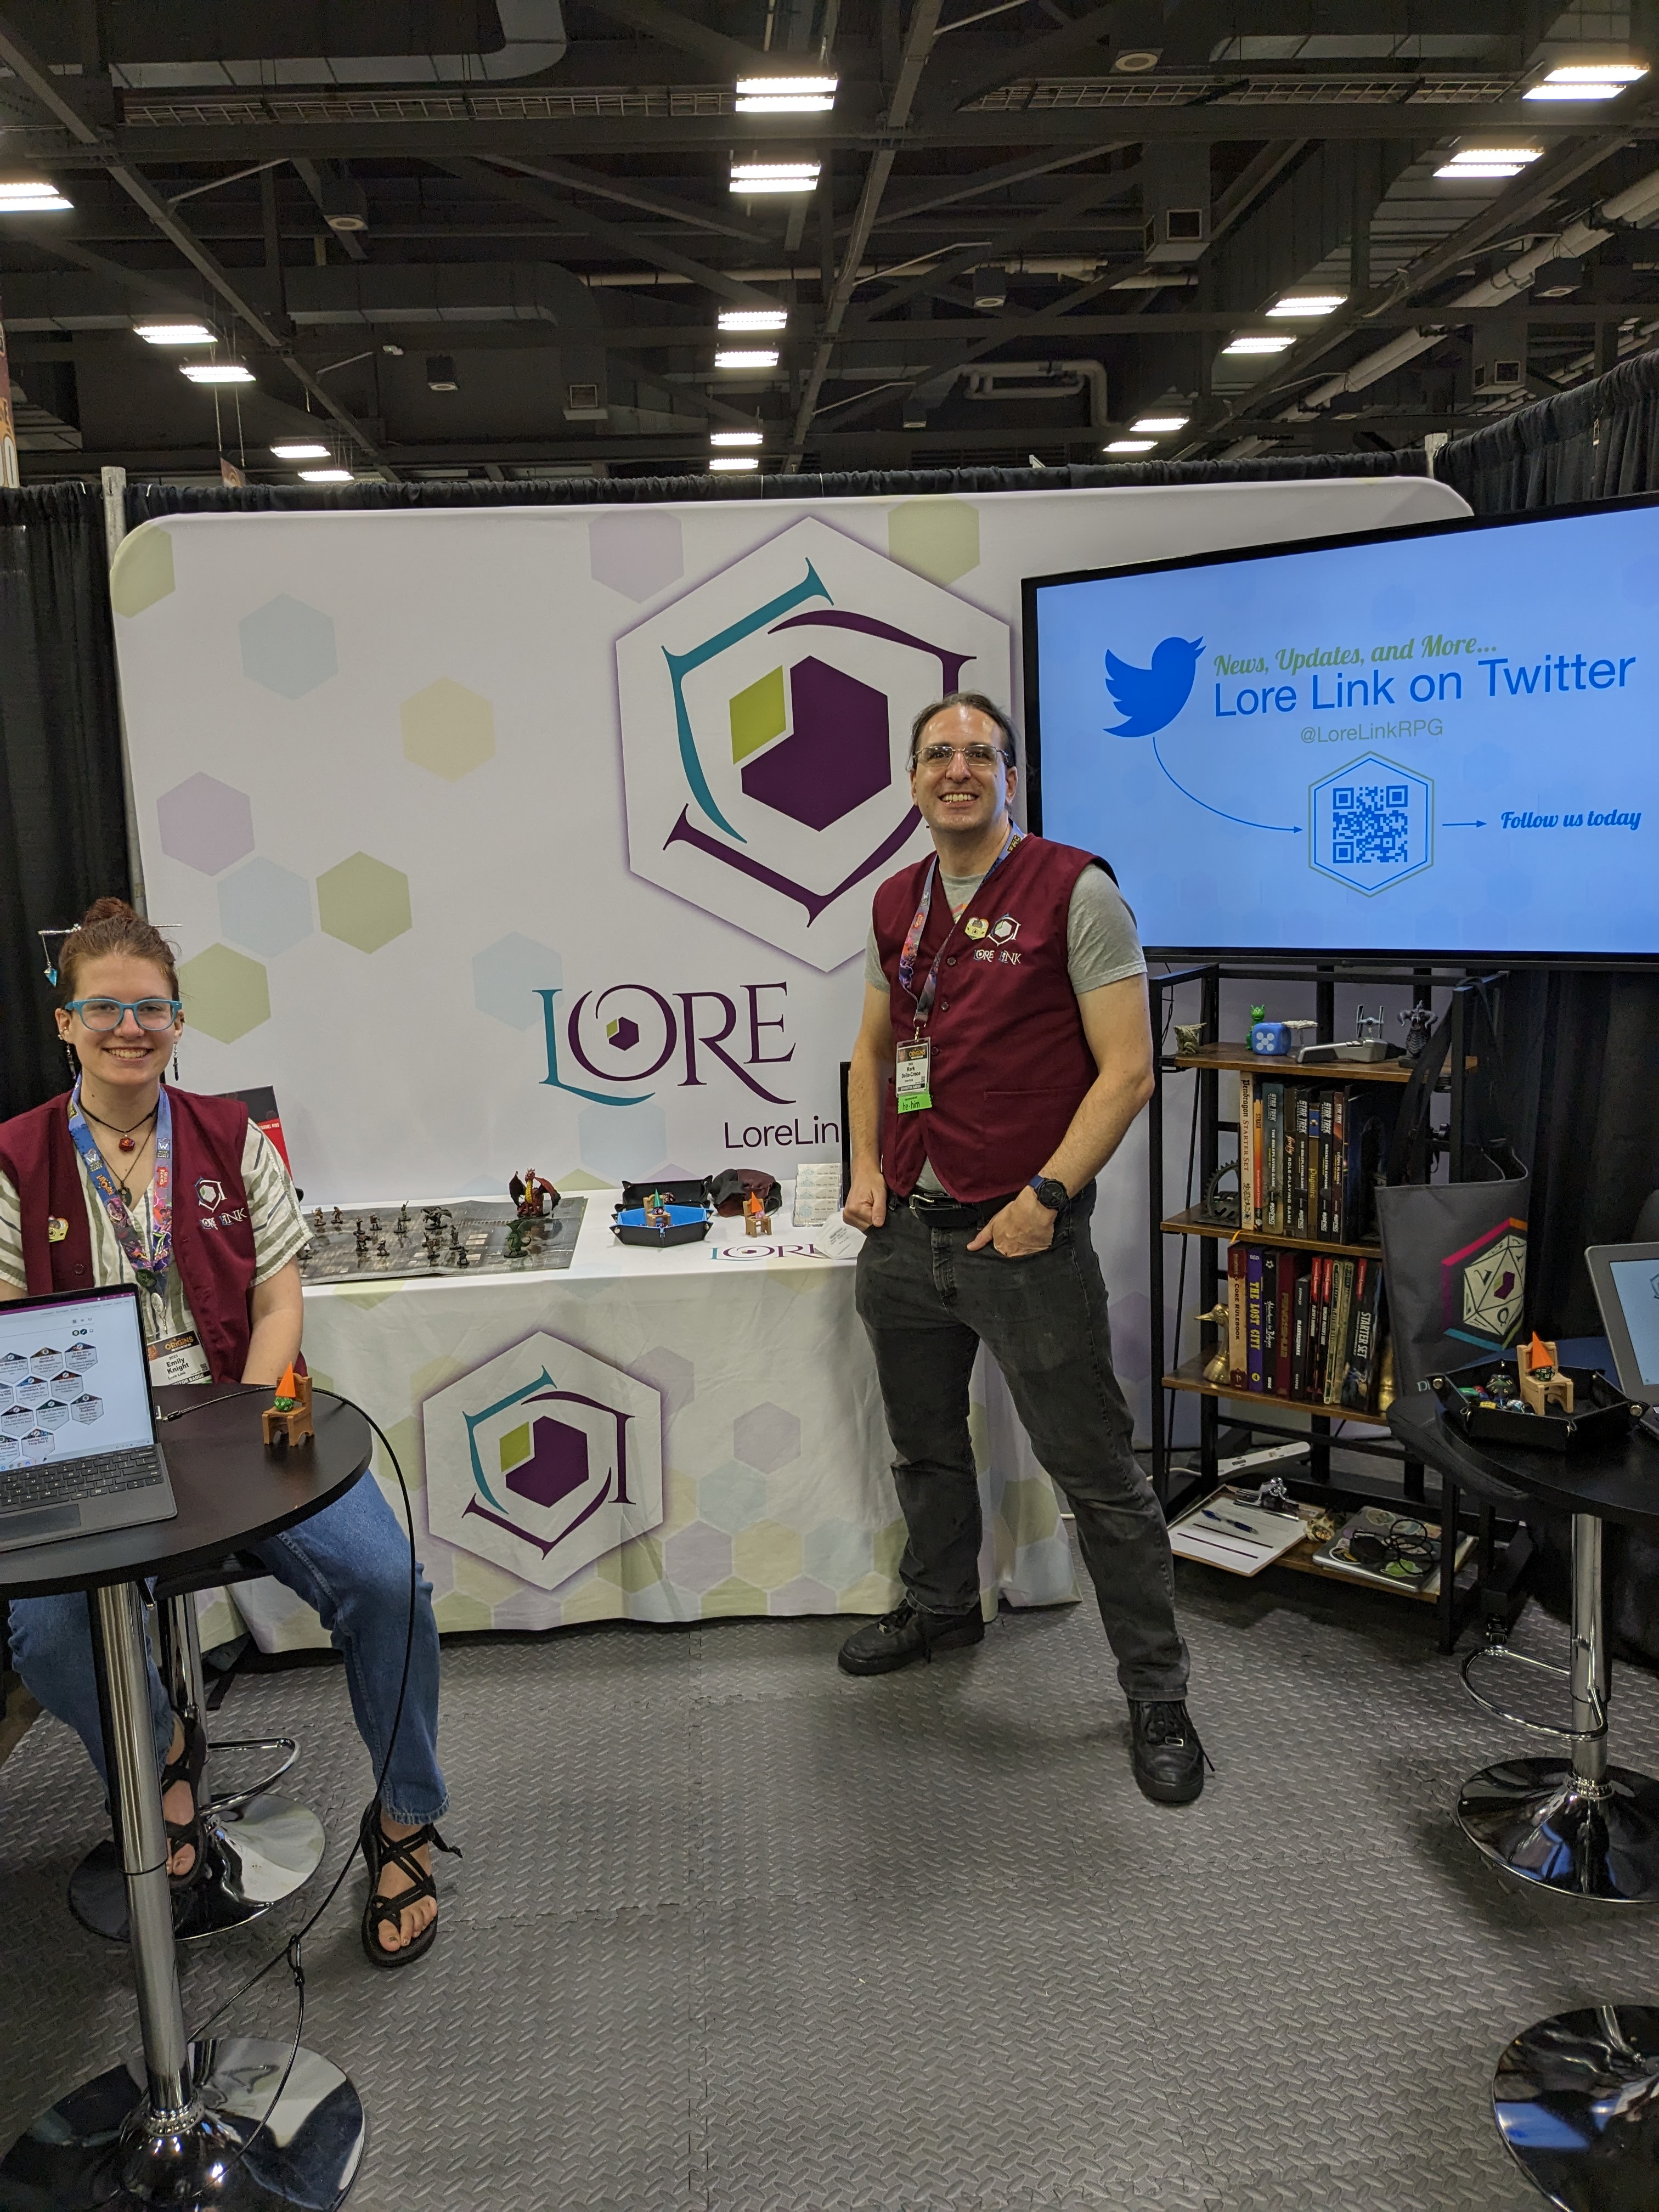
[{"x": 1225, "y": 1522}]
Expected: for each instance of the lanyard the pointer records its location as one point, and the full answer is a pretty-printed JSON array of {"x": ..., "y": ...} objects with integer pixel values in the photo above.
[
  {"x": 907, "y": 966},
  {"x": 150, "y": 1267}
]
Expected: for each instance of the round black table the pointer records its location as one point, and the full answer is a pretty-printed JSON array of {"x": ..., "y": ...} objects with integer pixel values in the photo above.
[
  {"x": 194, "y": 2125},
  {"x": 1574, "y": 2095}
]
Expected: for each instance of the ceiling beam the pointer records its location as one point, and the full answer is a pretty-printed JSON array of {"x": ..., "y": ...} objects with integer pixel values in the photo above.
[
  {"x": 627, "y": 193},
  {"x": 1524, "y": 200},
  {"x": 730, "y": 55},
  {"x": 311, "y": 178},
  {"x": 912, "y": 59},
  {"x": 950, "y": 191},
  {"x": 989, "y": 70},
  {"x": 626, "y": 238},
  {"x": 20, "y": 57}
]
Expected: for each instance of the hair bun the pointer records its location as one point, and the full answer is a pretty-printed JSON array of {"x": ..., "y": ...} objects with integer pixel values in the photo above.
[{"x": 108, "y": 910}]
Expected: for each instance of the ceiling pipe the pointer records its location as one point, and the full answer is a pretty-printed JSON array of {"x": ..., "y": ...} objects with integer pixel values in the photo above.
[
  {"x": 1083, "y": 265},
  {"x": 1638, "y": 203}
]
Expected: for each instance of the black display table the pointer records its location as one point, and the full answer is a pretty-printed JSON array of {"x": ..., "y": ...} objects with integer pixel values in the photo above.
[
  {"x": 1571, "y": 2095},
  {"x": 186, "y": 2129}
]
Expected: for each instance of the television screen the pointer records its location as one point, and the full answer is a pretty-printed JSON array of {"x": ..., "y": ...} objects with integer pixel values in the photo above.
[{"x": 1440, "y": 740}]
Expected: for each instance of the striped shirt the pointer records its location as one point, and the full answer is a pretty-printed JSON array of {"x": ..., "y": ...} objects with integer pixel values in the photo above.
[{"x": 273, "y": 1209}]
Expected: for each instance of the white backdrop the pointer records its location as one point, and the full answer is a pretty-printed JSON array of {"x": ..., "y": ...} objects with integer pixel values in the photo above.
[{"x": 547, "y": 836}]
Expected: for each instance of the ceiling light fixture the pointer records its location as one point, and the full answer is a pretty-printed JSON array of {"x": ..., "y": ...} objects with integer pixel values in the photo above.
[
  {"x": 1130, "y": 446},
  {"x": 747, "y": 357},
  {"x": 1587, "y": 80},
  {"x": 786, "y": 95},
  {"x": 734, "y": 437},
  {"x": 726, "y": 463},
  {"x": 1488, "y": 162},
  {"x": 774, "y": 176},
  {"x": 166, "y": 334},
  {"x": 754, "y": 319},
  {"x": 1308, "y": 303},
  {"x": 1154, "y": 426},
  {"x": 216, "y": 372},
  {"x": 300, "y": 452},
  {"x": 1261, "y": 341},
  {"x": 326, "y": 476},
  {"x": 26, "y": 195}
]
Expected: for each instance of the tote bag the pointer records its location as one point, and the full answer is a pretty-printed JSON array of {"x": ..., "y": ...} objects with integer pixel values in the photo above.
[{"x": 1454, "y": 1254}]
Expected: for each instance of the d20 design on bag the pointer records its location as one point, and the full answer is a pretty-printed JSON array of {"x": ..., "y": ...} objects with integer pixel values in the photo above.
[
  {"x": 765, "y": 721},
  {"x": 1485, "y": 1288},
  {"x": 543, "y": 1459}
]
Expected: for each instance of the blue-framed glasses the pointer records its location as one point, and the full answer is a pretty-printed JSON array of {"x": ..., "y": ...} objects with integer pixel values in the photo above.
[{"x": 102, "y": 1015}]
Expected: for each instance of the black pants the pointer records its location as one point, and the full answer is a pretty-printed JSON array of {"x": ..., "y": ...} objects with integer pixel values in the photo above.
[{"x": 927, "y": 1304}]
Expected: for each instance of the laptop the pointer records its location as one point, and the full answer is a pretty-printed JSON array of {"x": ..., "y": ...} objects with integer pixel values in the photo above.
[
  {"x": 78, "y": 1454},
  {"x": 1625, "y": 1278}
]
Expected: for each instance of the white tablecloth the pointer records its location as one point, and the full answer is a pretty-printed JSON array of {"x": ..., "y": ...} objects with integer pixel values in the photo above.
[{"x": 748, "y": 1364}]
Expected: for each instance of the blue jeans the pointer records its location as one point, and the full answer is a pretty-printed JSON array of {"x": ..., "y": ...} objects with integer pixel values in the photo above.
[{"x": 350, "y": 1564}]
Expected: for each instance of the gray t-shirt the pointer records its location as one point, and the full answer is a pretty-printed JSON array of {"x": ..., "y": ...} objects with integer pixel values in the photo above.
[{"x": 1101, "y": 944}]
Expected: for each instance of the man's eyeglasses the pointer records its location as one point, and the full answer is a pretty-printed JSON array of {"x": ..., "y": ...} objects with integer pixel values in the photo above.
[
  {"x": 102, "y": 1015},
  {"x": 977, "y": 757}
]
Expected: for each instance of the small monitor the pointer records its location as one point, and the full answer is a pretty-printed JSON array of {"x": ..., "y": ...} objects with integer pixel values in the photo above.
[{"x": 1627, "y": 1281}]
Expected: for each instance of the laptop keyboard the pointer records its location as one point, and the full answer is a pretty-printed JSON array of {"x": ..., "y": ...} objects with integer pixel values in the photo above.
[{"x": 75, "y": 1478}]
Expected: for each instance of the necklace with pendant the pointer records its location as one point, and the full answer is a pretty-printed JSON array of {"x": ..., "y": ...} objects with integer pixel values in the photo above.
[{"x": 127, "y": 1136}]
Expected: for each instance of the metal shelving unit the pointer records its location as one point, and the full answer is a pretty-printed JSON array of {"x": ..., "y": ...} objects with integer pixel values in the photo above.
[{"x": 1399, "y": 1480}]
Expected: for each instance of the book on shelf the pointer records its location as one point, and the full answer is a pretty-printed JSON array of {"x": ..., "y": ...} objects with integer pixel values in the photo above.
[
  {"x": 1310, "y": 1155},
  {"x": 1238, "y": 1368},
  {"x": 1309, "y": 1326}
]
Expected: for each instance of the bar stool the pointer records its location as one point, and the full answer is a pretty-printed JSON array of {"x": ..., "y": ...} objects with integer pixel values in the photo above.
[
  {"x": 1576, "y": 2101},
  {"x": 1576, "y": 1826},
  {"x": 258, "y": 1848}
]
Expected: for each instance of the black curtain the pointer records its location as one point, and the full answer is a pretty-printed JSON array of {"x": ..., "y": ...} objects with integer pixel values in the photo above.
[
  {"x": 1576, "y": 1088},
  {"x": 1599, "y": 442},
  {"x": 63, "y": 813},
  {"x": 146, "y": 501}
]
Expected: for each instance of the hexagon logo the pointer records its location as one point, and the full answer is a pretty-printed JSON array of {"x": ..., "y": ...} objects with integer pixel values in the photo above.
[
  {"x": 544, "y": 1460},
  {"x": 363, "y": 901},
  {"x": 765, "y": 730},
  {"x": 288, "y": 647},
  {"x": 1371, "y": 824},
  {"x": 1484, "y": 1286},
  {"x": 448, "y": 729}
]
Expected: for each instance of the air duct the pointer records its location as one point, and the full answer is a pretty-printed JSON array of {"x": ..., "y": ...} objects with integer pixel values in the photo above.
[
  {"x": 1637, "y": 205},
  {"x": 534, "y": 41}
]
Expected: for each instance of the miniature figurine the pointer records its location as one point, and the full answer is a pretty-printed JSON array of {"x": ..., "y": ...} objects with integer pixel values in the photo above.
[
  {"x": 530, "y": 1193},
  {"x": 515, "y": 1247},
  {"x": 381, "y": 1251},
  {"x": 435, "y": 1245},
  {"x": 657, "y": 1215},
  {"x": 320, "y": 1221},
  {"x": 403, "y": 1219},
  {"x": 287, "y": 1419},
  {"x": 361, "y": 1235},
  {"x": 373, "y": 1224},
  {"x": 756, "y": 1221},
  {"x": 1542, "y": 1384},
  {"x": 339, "y": 1221}
]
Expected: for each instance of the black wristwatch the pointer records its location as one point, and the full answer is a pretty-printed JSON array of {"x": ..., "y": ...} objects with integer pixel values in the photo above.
[{"x": 1050, "y": 1193}]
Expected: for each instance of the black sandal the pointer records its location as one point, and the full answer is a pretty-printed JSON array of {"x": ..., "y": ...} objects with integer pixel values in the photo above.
[
  {"x": 380, "y": 1851},
  {"x": 187, "y": 1767}
]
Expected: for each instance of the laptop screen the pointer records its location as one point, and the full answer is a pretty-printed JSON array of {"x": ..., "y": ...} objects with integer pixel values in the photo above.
[
  {"x": 1636, "y": 1285},
  {"x": 73, "y": 1380}
]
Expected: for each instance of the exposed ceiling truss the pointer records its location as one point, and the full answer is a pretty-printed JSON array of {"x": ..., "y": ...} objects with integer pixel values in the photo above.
[{"x": 1032, "y": 226}]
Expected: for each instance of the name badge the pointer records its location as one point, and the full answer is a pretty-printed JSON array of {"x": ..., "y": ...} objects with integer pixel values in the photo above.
[
  {"x": 178, "y": 1359},
  {"x": 910, "y": 1076},
  {"x": 57, "y": 1228}
]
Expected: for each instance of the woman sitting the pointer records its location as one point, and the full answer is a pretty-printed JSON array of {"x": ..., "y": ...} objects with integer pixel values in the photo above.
[{"x": 117, "y": 1183}]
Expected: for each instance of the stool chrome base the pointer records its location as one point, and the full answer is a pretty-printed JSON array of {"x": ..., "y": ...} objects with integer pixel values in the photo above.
[
  {"x": 259, "y": 1851},
  {"x": 94, "y": 2148},
  {"x": 1576, "y": 2102},
  {"x": 1544, "y": 1824}
]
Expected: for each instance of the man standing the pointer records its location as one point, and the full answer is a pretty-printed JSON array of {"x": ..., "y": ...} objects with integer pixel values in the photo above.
[{"x": 1005, "y": 1050}]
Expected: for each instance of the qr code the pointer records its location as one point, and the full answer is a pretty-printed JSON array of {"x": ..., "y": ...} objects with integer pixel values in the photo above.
[{"x": 1369, "y": 822}]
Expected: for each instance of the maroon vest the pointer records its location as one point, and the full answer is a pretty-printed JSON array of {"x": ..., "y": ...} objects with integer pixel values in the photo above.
[
  {"x": 212, "y": 1236},
  {"x": 1009, "y": 1062}
]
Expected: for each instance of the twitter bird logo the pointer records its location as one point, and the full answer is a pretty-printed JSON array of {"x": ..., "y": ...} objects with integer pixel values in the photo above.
[{"x": 1149, "y": 699}]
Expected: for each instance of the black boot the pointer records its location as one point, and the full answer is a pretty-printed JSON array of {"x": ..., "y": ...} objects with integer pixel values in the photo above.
[
  {"x": 907, "y": 1633},
  {"x": 1169, "y": 1759}
]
